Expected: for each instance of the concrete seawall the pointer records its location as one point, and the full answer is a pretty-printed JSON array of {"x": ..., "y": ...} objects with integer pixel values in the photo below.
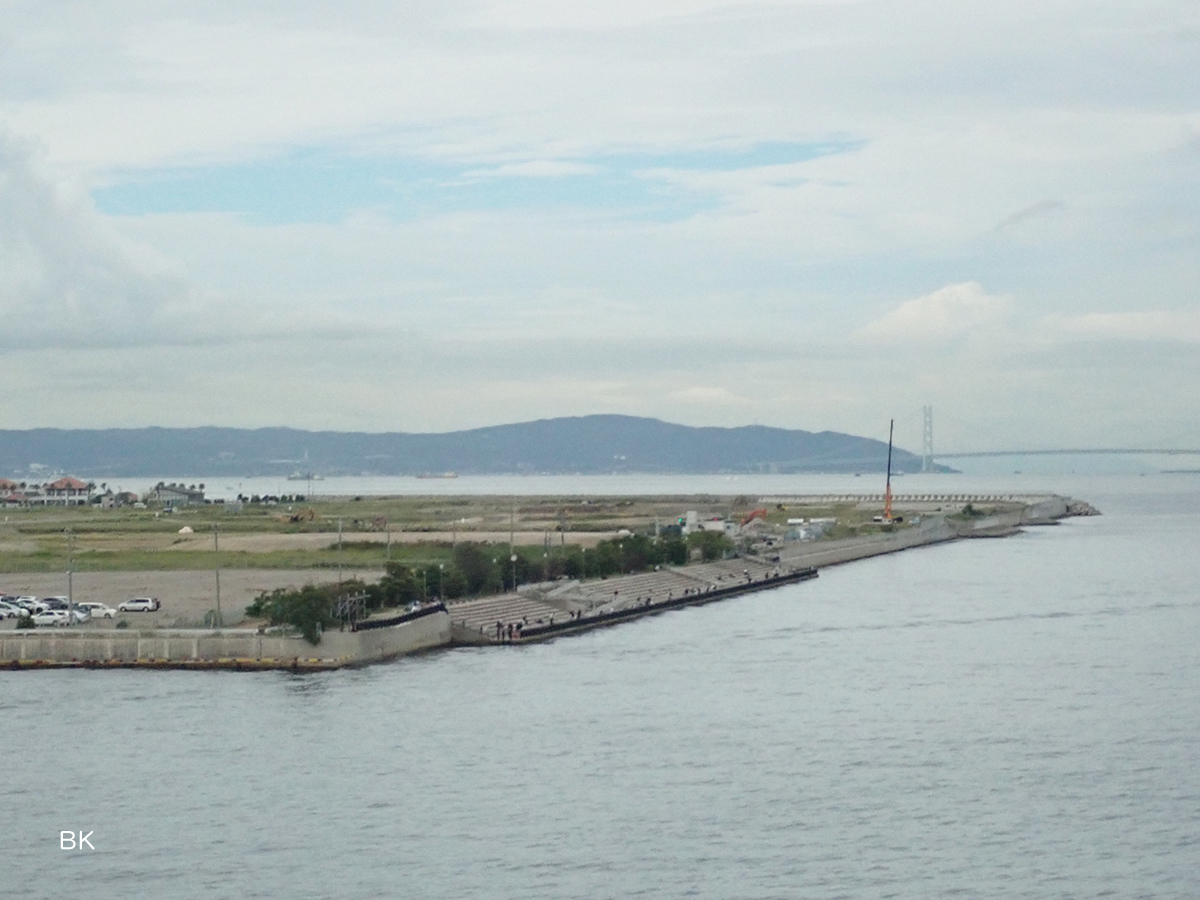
[{"x": 227, "y": 648}]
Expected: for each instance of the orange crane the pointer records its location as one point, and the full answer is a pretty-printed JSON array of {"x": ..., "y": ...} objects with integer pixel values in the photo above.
[
  {"x": 887, "y": 494},
  {"x": 757, "y": 514}
]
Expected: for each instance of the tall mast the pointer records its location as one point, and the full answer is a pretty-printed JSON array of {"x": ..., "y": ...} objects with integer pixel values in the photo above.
[{"x": 887, "y": 496}]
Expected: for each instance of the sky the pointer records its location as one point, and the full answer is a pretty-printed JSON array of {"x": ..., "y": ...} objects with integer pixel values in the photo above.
[{"x": 399, "y": 216}]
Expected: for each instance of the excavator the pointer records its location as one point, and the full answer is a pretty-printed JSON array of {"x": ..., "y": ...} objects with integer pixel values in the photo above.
[{"x": 757, "y": 514}]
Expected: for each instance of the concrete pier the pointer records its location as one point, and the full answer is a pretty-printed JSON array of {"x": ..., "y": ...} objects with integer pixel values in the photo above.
[{"x": 543, "y": 610}]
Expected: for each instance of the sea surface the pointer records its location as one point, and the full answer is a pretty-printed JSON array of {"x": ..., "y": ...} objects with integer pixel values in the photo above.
[{"x": 992, "y": 718}]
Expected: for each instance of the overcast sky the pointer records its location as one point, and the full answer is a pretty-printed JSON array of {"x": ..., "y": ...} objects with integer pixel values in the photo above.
[{"x": 383, "y": 215}]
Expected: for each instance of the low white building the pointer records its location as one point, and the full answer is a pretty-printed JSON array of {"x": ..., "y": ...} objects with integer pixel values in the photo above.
[{"x": 178, "y": 494}]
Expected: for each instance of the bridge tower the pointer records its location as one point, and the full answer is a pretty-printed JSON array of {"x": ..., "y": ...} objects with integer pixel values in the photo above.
[{"x": 927, "y": 440}]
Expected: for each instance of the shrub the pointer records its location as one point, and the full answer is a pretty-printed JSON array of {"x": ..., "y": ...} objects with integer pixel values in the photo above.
[{"x": 309, "y": 609}]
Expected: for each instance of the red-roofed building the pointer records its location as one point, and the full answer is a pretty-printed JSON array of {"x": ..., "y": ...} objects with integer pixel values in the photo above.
[
  {"x": 67, "y": 492},
  {"x": 7, "y": 487}
]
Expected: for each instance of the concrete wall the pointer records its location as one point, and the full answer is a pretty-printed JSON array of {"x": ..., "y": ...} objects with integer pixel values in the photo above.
[{"x": 229, "y": 646}]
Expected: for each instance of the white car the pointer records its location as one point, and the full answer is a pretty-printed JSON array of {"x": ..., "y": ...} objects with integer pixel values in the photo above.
[
  {"x": 97, "y": 610},
  {"x": 140, "y": 604},
  {"x": 60, "y": 617},
  {"x": 52, "y": 617},
  {"x": 10, "y": 611}
]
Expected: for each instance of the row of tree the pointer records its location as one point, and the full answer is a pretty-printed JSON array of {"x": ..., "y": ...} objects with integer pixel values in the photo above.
[{"x": 475, "y": 569}]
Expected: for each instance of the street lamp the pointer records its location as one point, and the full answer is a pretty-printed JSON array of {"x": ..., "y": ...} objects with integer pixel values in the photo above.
[
  {"x": 513, "y": 559},
  {"x": 217, "y": 569},
  {"x": 70, "y": 568},
  {"x": 441, "y": 572}
]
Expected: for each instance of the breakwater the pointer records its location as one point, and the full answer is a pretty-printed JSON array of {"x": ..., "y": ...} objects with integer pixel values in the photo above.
[{"x": 533, "y": 613}]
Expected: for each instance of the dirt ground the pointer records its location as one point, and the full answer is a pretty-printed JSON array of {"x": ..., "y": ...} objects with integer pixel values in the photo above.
[
  {"x": 185, "y": 595},
  {"x": 265, "y": 543}
]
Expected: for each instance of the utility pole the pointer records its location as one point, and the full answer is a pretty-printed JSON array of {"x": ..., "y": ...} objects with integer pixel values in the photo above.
[
  {"x": 339, "y": 551},
  {"x": 70, "y": 568},
  {"x": 927, "y": 440},
  {"x": 388, "y": 527},
  {"x": 217, "y": 569}
]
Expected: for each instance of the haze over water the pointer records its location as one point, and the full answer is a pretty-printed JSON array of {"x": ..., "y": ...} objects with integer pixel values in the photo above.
[{"x": 992, "y": 718}]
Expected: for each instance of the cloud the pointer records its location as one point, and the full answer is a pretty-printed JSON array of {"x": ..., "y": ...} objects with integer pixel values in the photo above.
[
  {"x": 1038, "y": 210},
  {"x": 535, "y": 168},
  {"x": 1171, "y": 326},
  {"x": 323, "y": 258},
  {"x": 948, "y": 314},
  {"x": 66, "y": 278}
]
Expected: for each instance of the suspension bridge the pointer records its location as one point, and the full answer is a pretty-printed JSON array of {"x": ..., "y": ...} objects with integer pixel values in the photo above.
[{"x": 929, "y": 457}]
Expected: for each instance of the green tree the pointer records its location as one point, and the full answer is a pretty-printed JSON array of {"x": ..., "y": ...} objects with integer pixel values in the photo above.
[
  {"x": 479, "y": 573},
  {"x": 309, "y": 609},
  {"x": 712, "y": 544}
]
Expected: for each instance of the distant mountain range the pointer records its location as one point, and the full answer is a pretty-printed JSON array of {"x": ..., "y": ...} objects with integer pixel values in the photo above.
[{"x": 586, "y": 445}]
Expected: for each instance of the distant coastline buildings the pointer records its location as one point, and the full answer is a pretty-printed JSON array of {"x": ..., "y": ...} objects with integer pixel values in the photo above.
[
  {"x": 70, "y": 491},
  {"x": 65, "y": 491}
]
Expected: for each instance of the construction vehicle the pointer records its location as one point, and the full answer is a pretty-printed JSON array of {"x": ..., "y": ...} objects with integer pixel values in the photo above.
[
  {"x": 887, "y": 518},
  {"x": 756, "y": 514},
  {"x": 887, "y": 495}
]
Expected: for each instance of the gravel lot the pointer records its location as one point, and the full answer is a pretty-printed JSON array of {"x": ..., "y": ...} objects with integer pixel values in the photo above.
[{"x": 186, "y": 595}]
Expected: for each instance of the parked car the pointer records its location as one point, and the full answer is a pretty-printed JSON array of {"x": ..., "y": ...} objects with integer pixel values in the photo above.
[
  {"x": 140, "y": 604},
  {"x": 26, "y": 603},
  {"x": 55, "y": 603},
  {"x": 97, "y": 610},
  {"x": 10, "y": 610},
  {"x": 52, "y": 617}
]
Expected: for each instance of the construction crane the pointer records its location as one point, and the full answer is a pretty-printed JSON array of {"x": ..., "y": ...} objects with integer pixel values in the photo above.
[{"x": 887, "y": 494}]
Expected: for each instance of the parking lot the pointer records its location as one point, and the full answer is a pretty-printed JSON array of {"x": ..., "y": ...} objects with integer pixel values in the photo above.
[{"x": 185, "y": 595}]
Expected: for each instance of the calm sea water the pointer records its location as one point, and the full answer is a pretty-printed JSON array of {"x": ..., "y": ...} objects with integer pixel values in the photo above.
[{"x": 994, "y": 718}]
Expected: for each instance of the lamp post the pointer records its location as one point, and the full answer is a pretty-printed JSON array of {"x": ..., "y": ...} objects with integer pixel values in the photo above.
[
  {"x": 513, "y": 560},
  {"x": 70, "y": 568},
  {"x": 441, "y": 573},
  {"x": 339, "y": 552},
  {"x": 217, "y": 569}
]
